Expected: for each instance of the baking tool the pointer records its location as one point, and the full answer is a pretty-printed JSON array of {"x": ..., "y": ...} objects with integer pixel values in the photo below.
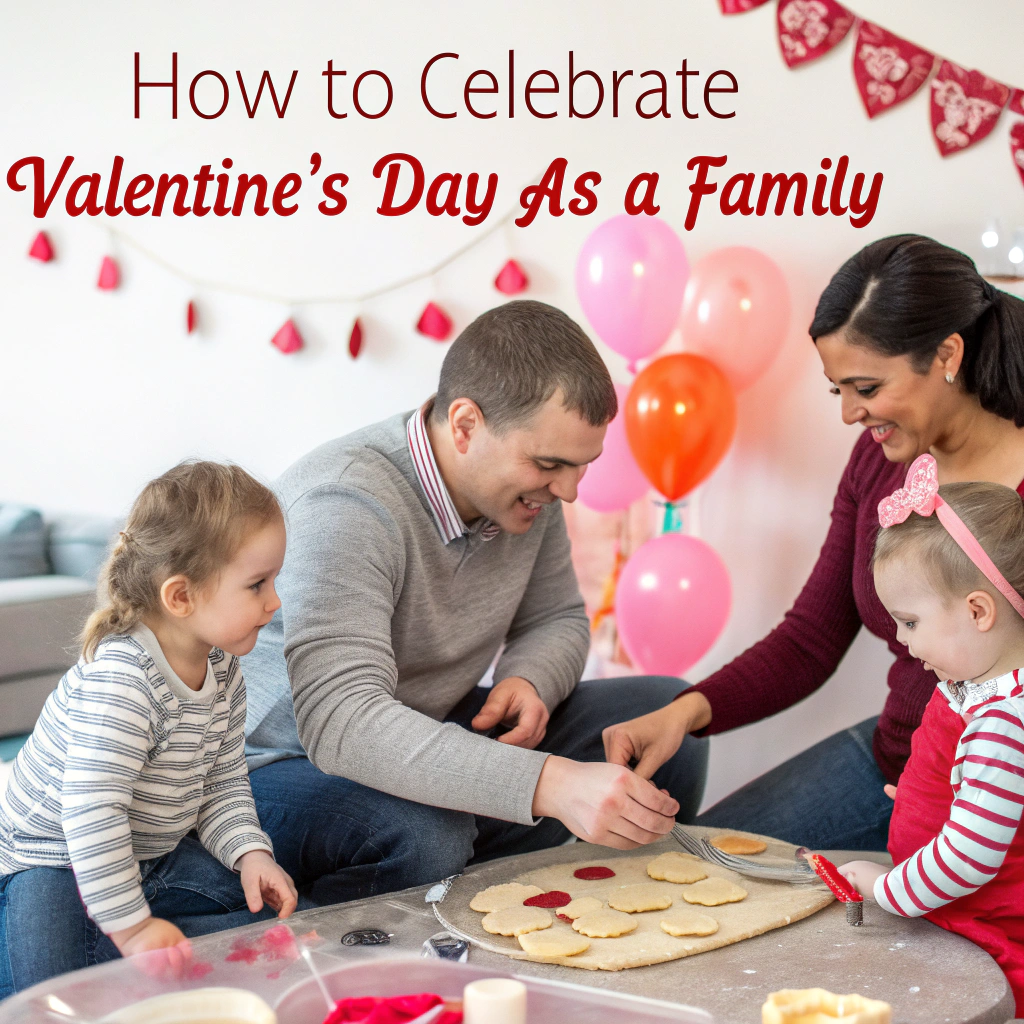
[
  {"x": 700, "y": 847},
  {"x": 841, "y": 888}
]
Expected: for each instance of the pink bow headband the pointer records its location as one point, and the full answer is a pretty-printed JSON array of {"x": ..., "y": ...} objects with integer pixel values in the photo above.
[{"x": 920, "y": 494}]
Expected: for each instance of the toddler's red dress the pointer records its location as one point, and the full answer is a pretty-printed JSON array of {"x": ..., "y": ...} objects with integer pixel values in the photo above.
[{"x": 992, "y": 915}]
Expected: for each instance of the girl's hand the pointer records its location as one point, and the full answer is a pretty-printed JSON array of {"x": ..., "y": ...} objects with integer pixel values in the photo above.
[
  {"x": 265, "y": 881},
  {"x": 861, "y": 874},
  {"x": 890, "y": 791},
  {"x": 154, "y": 933}
]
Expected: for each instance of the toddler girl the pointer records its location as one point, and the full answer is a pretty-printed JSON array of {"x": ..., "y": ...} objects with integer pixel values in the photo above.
[
  {"x": 952, "y": 581},
  {"x": 135, "y": 777}
]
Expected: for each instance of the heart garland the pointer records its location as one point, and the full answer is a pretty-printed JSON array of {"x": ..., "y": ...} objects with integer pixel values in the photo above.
[
  {"x": 965, "y": 107},
  {"x": 887, "y": 69},
  {"x": 808, "y": 29}
]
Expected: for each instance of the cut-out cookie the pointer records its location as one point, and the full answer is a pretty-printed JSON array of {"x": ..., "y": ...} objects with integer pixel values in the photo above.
[
  {"x": 517, "y": 921},
  {"x": 635, "y": 899},
  {"x": 580, "y": 906},
  {"x": 739, "y": 845},
  {"x": 713, "y": 892},
  {"x": 498, "y": 897},
  {"x": 676, "y": 867},
  {"x": 554, "y": 943},
  {"x": 605, "y": 924},
  {"x": 683, "y": 921}
]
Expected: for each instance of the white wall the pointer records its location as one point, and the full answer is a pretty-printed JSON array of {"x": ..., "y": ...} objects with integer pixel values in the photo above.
[{"x": 101, "y": 391}]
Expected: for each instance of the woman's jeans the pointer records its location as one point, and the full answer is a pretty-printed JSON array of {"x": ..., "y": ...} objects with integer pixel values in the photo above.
[
  {"x": 830, "y": 797},
  {"x": 45, "y": 930}
]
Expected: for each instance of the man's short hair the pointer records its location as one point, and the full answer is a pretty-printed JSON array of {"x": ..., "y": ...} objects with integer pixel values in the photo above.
[{"x": 513, "y": 358}]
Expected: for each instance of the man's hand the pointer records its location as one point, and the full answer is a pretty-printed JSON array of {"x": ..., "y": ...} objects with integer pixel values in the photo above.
[
  {"x": 514, "y": 703},
  {"x": 265, "y": 881},
  {"x": 651, "y": 740},
  {"x": 603, "y": 803},
  {"x": 861, "y": 874}
]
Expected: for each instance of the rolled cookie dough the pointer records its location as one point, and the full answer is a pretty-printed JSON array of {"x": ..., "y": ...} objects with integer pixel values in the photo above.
[
  {"x": 517, "y": 921},
  {"x": 636, "y": 899},
  {"x": 498, "y": 897},
  {"x": 605, "y": 924},
  {"x": 713, "y": 892},
  {"x": 676, "y": 867},
  {"x": 739, "y": 845},
  {"x": 683, "y": 921},
  {"x": 554, "y": 943}
]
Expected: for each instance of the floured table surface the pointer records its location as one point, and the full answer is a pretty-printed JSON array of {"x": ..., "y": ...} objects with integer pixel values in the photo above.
[{"x": 767, "y": 906}]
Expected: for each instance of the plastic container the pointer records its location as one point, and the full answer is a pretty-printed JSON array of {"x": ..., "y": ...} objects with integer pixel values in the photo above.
[{"x": 548, "y": 1002}]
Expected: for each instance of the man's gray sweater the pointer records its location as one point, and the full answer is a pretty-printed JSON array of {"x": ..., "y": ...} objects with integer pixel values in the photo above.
[{"x": 384, "y": 629}]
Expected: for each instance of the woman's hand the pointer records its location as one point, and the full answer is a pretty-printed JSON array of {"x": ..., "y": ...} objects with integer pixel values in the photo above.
[
  {"x": 651, "y": 740},
  {"x": 265, "y": 881},
  {"x": 861, "y": 874}
]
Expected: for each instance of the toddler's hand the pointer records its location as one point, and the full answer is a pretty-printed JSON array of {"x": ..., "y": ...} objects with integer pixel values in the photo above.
[
  {"x": 156, "y": 947},
  {"x": 861, "y": 874},
  {"x": 265, "y": 881},
  {"x": 890, "y": 791}
]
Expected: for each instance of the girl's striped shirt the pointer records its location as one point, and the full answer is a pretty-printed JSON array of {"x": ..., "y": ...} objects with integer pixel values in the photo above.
[{"x": 125, "y": 761}]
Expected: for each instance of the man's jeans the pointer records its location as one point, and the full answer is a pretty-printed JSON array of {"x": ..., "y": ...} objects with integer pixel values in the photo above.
[
  {"x": 45, "y": 930},
  {"x": 343, "y": 841},
  {"x": 830, "y": 797}
]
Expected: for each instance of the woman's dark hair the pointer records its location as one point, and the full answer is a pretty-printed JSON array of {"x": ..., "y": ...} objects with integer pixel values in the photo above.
[{"x": 904, "y": 295}]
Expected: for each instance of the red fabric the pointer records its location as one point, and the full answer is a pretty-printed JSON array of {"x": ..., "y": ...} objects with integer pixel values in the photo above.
[
  {"x": 1016, "y": 104},
  {"x": 965, "y": 107},
  {"x": 808, "y": 29},
  {"x": 739, "y": 6},
  {"x": 355, "y": 339},
  {"x": 41, "y": 249},
  {"x": 395, "y": 1010},
  {"x": 800, "y": 654},
  {"x": 992, "y": 917},
  {"x": 1017, "y": 147},
  {"x": 287, "y": 340},
  {"x": 888, "y": 69},
  {"x": 434, "y": 322},
  {"x": 511, "y": 279}
]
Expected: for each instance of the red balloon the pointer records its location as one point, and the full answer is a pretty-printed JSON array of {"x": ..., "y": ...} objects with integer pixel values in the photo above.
[{"x": 680, "y": 421}]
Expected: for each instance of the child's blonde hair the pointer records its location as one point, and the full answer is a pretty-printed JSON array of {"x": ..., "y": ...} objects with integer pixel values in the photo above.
[
  {"x": 992, "y": 512},
  {"x": 191, "y": 522}
]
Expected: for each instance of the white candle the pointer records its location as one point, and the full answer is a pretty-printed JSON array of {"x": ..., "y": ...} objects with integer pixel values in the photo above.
[{"x": 494, "y": 1001}]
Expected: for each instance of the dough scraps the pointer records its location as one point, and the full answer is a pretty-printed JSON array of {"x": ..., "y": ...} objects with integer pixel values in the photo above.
[
  {"x": 517, "y": 921},
  {"x": 605, "y": 924},
  {"x": 676, "y": 867},
  {"x": 635, "y": 899},
  {"x": 594, "y": 873},
  {"x": 713, "y": 892},
  {"x": 554, "y": 943},
  {"x": 580, "y": 906},
  {"x": 683, "y": 921},
  {"x": 498, "y": 897},
  {"x": 552, "y": 899},
  {"x": 740, "y": 845}
]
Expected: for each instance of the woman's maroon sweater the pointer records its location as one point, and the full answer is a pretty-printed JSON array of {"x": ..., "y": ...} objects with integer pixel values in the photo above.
[{"x": 800, "y": 654}]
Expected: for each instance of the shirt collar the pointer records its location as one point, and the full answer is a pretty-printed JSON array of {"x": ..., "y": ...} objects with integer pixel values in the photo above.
[
  {"x": 966, "y": 699},
  {"x": 449, "y": 523}
]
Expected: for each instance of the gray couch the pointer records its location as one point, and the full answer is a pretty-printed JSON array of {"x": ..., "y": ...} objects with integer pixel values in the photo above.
[{"x": 48, "y": 568}]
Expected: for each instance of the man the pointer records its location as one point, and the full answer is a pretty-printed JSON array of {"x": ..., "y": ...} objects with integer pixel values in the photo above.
[{"x": 418, "y": 549}]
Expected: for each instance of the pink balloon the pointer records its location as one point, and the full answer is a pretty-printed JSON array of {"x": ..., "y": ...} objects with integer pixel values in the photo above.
[
  {"x": 736, "y": 312},
  {"x": 630, "y": 278},
  {"x": 672, "y": 603},
  {"x": 614, "y": 481}
]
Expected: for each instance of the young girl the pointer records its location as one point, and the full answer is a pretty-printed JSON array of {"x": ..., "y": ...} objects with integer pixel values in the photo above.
[
  {"x": 949, "y": 568},
  {"x": 135, "y": 777}
]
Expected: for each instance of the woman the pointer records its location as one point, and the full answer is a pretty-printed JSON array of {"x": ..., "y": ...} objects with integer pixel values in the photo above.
[{"x": 928, "y": 357}]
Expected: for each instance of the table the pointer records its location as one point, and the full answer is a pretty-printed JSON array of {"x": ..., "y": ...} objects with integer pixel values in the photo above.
[{"x": 928, "y": 975}]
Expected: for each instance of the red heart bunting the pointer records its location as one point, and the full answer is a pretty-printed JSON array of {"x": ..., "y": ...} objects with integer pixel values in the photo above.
[
  {"x": 110, "y": 274},
  {"x": 1016, "y": 104},
  {"x": 1017, "y": 147},
  {"x": 287, "y": 340},
  {"x": 739, "y": 6},
  {"x": 808, "y": 29},
  {"x": 512, "y": 279},
  {"x": 888, "y": 70},
  {"x": 355, "y": 339},
  {"x": 965, "y": 107},
  {"x": 190, "y": 317},
  {"x": 434, "y": 322},
  {"x": 41, "y": 249}
]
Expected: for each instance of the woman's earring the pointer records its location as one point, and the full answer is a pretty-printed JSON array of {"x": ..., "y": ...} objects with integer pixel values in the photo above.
[{"x": 950, "y": 378}]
